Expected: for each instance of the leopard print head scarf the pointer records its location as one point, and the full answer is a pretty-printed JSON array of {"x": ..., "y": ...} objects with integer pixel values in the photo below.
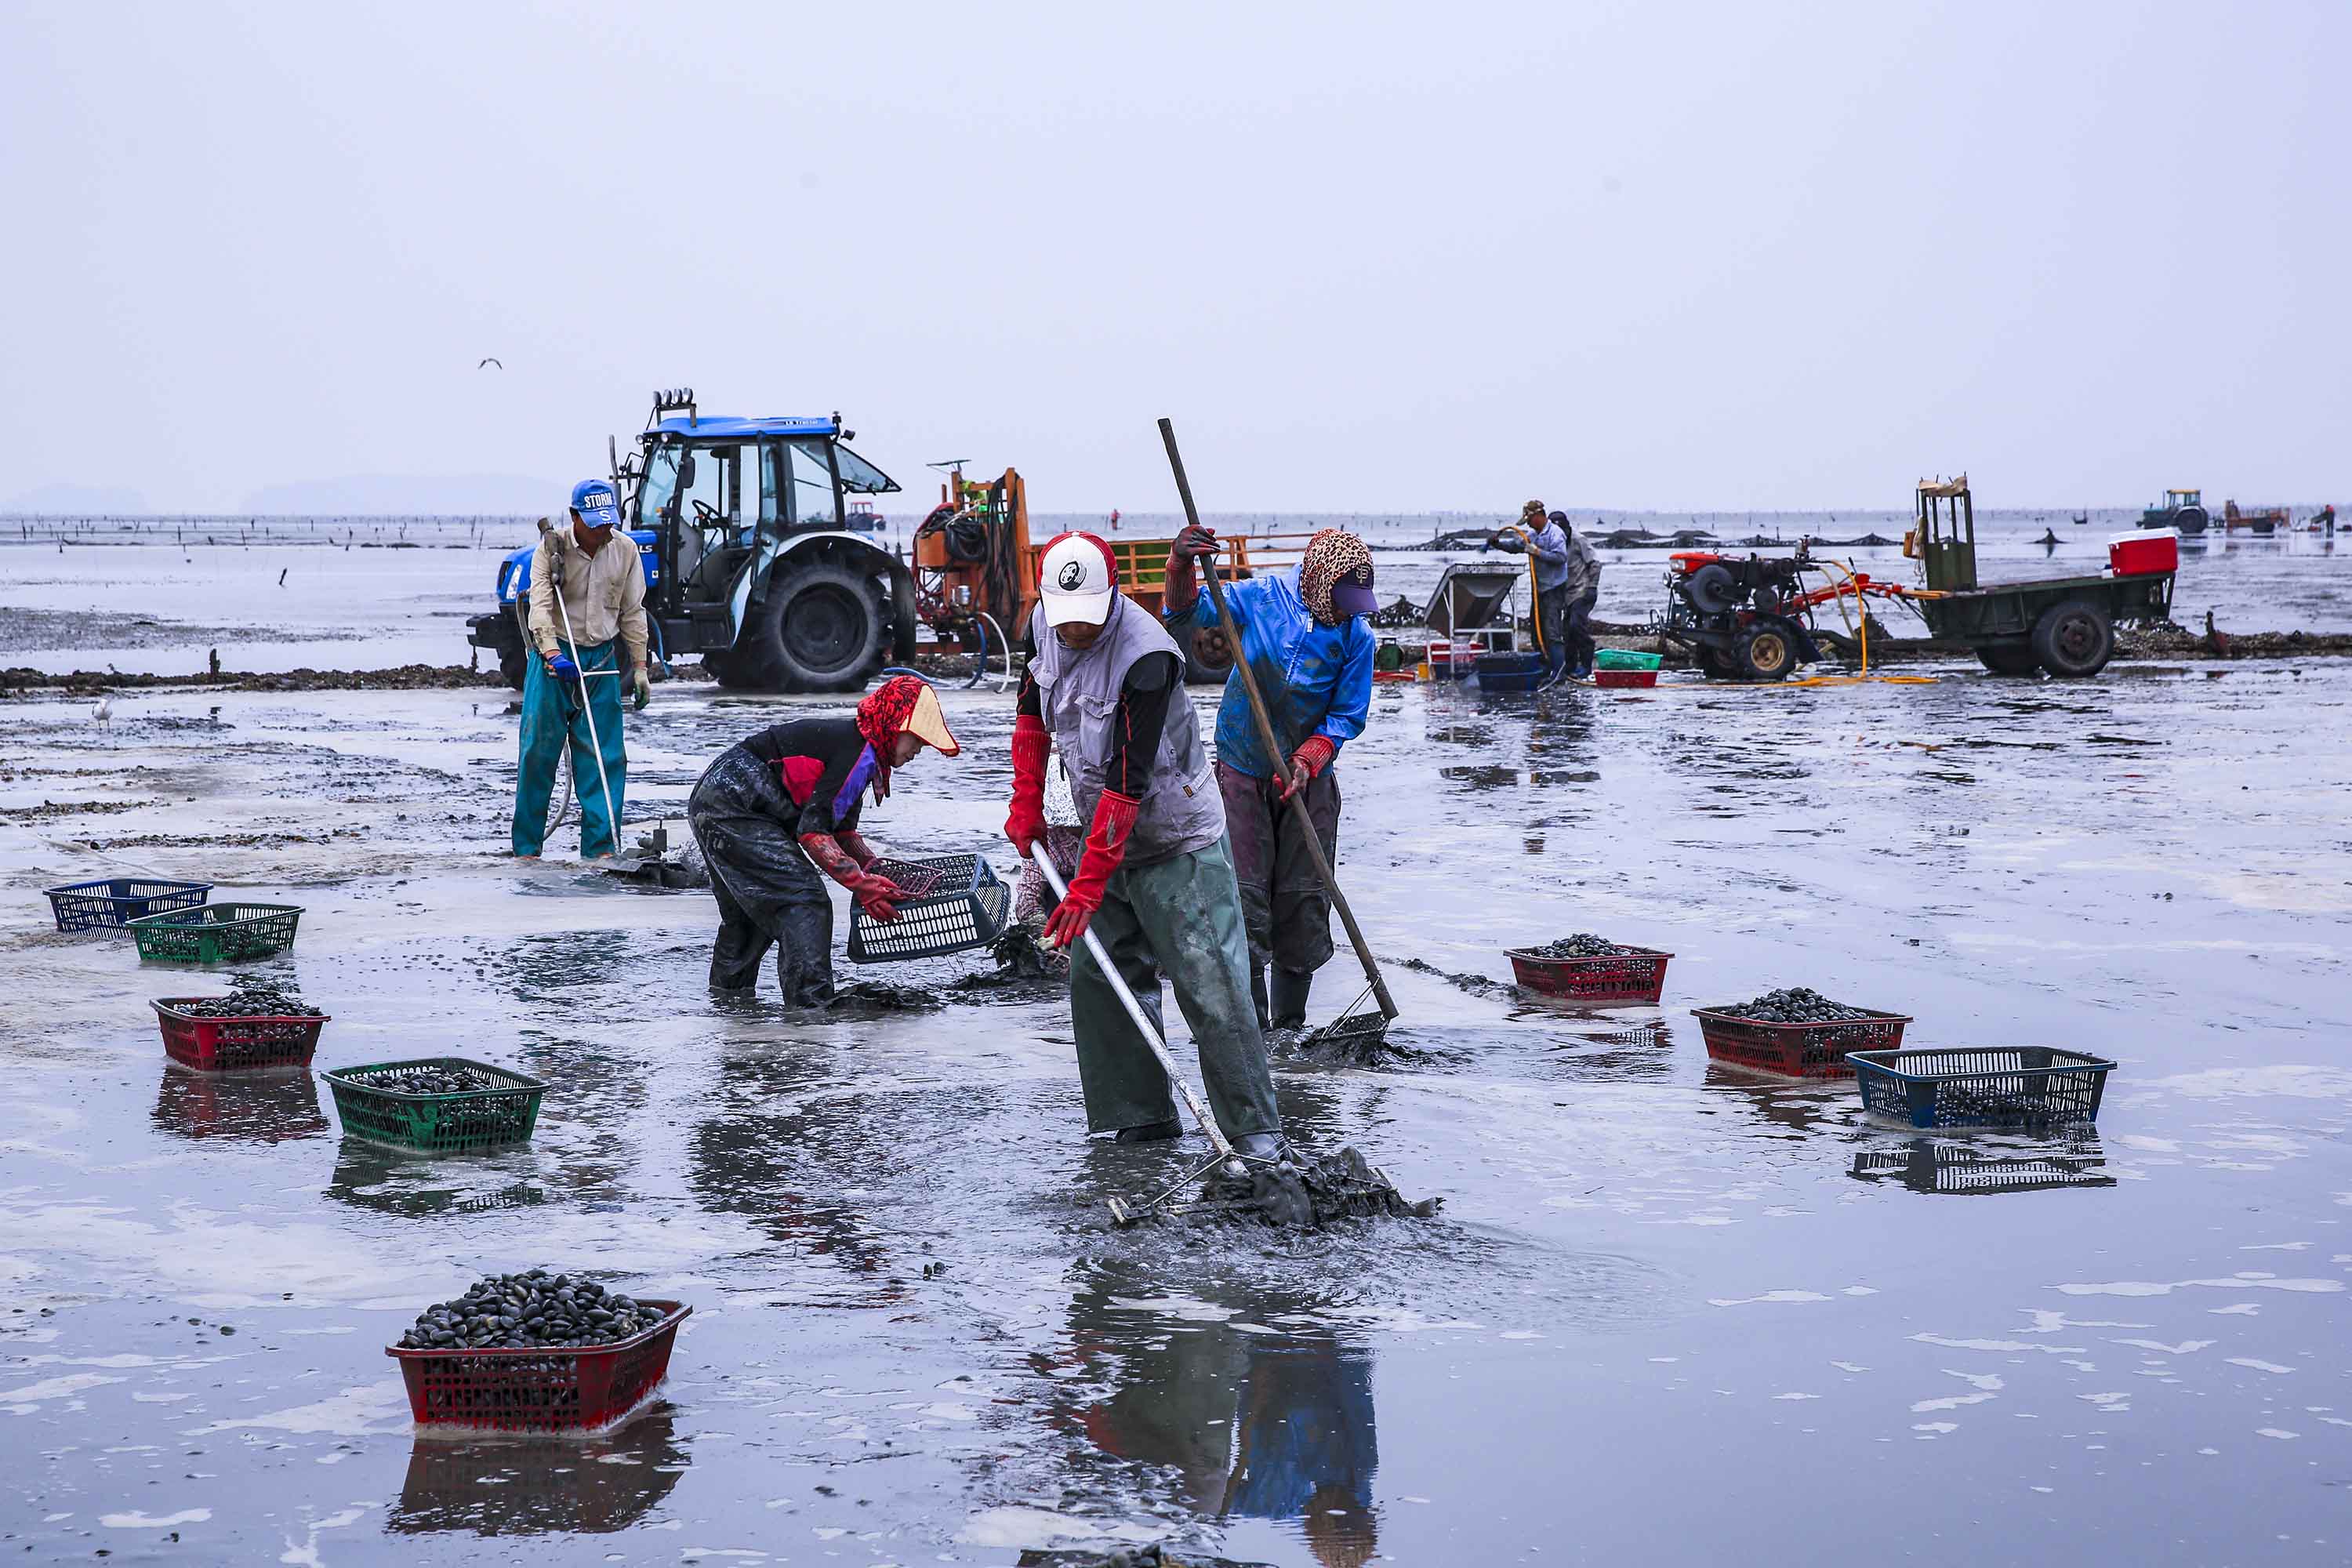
[{"x": 1330, "y": 555}]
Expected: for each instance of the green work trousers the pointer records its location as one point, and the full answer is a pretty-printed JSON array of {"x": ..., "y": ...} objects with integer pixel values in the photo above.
[
  {"x": 554, "y": 717},
  {"x": 1181, "y": 917}
]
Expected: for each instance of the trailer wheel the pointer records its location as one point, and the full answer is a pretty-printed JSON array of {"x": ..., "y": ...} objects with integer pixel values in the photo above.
[
  {"x": 1763, "y": 653},
  {"x": 1208, "y": 657},
  {"x": 2074, "y": 639},
  {"x": 821, "y": 629},
  {"x": 2009, "y": 657},
  {"x": 514, "y": 650}
]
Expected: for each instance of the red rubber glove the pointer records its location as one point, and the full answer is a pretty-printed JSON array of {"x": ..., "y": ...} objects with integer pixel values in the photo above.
[
  {"x": 1306, "y": 763},
  {"x": 1106, "y": 848},
  {"x": 1026, "y": 823},
  {"x": 1180, "y": 587},
  {"x": 854, "y": 843},
  {"x": 876, "y": 895}
]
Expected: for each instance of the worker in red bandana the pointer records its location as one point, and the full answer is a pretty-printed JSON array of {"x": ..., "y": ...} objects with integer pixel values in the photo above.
[
  {"x": 1304, "y": 634},
  {"x": 1105, "y": 685},
  {"x": 781, "y": 805}
]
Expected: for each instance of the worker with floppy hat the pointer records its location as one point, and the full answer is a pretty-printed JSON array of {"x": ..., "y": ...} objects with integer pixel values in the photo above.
[
  {"x": 780, "y": 807},
  {"x": 1303, "y": 632},
  {"x": 1155, "y": 884},
  {"x": 572, "y": 692}
]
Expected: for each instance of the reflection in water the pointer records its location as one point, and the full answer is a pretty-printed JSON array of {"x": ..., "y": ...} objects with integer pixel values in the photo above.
[
  {"x": 1798, "y": 1105},
  {"x": 525, "y": 1486},
  {"x": 266, "y": 1106},
  {"x": 1254, "y": 1423},
  {"x": 1935, "y": 1165},
  {"x": 391, "y": 1181}
]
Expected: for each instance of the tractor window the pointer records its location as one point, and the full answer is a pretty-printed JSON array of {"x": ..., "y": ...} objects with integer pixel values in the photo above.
[
  {"x": 660, "y": 484},
  {"x": 811, "y": 484}
]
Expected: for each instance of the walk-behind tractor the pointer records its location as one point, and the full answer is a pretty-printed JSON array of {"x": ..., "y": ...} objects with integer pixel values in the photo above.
[
  {"x": 751, "y": 556},
  {"x": 1752, "y": 619}
]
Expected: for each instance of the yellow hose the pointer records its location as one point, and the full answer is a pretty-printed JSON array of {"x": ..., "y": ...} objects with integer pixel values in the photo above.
[{"x": 1535, "y": 592}]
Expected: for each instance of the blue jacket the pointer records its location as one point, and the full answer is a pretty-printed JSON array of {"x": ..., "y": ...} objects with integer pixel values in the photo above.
[{"x": 1317, "y": 679}]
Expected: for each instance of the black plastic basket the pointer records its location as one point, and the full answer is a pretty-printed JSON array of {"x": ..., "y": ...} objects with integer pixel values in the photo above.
[
  {"x": 964, "y": 907},
  {"x": 1982, "y": 1085},
  {"x": 114, "y": 901}
]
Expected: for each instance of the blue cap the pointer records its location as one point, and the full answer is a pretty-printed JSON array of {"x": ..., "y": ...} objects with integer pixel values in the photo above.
[{"x": 595, "y": 501}]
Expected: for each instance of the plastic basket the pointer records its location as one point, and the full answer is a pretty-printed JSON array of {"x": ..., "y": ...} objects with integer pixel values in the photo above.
[
  {"x": 1985, "y": 1085},
  {"x": 1617, "y": 979},
  {"x": 116, "y": 901},
  {"x": 234, "y": 1045},
  {"x": 1634, "y": 678},
  {"x": 1512, "y": 672},
  {"x": 966, "y": 907},
  {"x": 451, "y": 1123},
  {"x": 1621, "y": 659},
  {"x": 539, "y": 1390},
  {"x": 217, "y": 933},
  {"x": 1796, "y": 1050}
]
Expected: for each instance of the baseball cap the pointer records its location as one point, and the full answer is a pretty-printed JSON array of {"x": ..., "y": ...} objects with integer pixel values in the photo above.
[
  {"x": 1076, "y": 579},
  {"x": 1352, "y": 594},
  {"x": 595, "y": 501}
]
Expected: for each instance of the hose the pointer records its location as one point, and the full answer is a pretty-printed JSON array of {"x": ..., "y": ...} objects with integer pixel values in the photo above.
[{"x": 1535, "y": 589}]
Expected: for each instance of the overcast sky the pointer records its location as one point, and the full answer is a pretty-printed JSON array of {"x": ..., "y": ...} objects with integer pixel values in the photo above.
[{"x": 1369, "y": 256}]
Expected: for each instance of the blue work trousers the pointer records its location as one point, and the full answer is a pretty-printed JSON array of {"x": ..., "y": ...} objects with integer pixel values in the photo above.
[{"x": 555, "y": 715}]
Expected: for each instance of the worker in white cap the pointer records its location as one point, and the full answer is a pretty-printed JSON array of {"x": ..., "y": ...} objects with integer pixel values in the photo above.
[{"x": 1155, "y": 883}]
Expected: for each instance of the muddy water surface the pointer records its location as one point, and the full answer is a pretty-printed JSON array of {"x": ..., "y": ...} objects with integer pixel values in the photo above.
[{"x": 1669, "y": 1312}]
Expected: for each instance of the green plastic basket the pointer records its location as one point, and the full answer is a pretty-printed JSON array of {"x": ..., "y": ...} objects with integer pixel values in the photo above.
[
  {"x": 217, "y": 933},
  {"x": 436, "y": 1123},
  {"x": 1620, "y": 658}
]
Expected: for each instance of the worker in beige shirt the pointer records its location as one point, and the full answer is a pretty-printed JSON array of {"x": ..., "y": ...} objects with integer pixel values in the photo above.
[{"x": 587, "y": 598}]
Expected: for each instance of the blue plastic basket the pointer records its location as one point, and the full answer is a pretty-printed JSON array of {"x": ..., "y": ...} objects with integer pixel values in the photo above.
[
  {"x": 115, "y": 901},
  {"x": 1511, "y": 672},
  {"x": 1982, "y": 1085}
]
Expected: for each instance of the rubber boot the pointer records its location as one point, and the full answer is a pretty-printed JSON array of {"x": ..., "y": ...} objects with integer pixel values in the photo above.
[
  {"x": 1151, "y": 1131},
  {"x": 1257, "y": 994},
  {"x": 1290, "y": 989}
]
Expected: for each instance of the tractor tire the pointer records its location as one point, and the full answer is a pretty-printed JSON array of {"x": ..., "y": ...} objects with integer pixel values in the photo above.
[
  {"x": 1764, "y": 653},
  {"x": 1208, "y": 657},
  {"x": 902, "y": 613},
  {"x": 822, "y": 629},
  {"x": 2074, "y": 639},
  {"x": 2009, "y": 657},
  {"x": 514, "y": 652}
]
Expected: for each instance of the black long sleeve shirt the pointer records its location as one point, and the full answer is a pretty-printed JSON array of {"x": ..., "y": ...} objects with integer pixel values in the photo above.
[{"x": 1152, "y": 681}]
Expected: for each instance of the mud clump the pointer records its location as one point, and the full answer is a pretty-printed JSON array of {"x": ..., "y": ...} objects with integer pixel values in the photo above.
[
  {"x": 251, "y": 997},
  {"x": 1796, "y": 1005},
  {"x": 868, "y": 998},
  {"x": 1019, "y": 957},
  {"x": 1345, "y": 1043},
  {"x": 1476, "y": 985},
  {"x": 531, "y": 1310},
  {"x": 1583, "y": 944},
  {"x": 1308, "y": 1192}
]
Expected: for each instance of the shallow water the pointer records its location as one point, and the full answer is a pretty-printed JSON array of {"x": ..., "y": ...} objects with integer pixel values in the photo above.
[{"x": 1668, "y": 1311}]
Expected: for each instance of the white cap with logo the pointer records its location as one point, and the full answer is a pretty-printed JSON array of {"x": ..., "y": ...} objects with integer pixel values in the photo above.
[{"x": 1076, "y": 579}]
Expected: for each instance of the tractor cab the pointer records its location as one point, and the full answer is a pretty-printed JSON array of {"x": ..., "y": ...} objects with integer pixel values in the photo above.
[
  {"x": 752, "y": 558},
  {"x": 1943, "y": 537}
]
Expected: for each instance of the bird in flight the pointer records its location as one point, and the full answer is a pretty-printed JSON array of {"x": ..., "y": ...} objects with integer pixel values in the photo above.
[{"x": 500, "y": 363}]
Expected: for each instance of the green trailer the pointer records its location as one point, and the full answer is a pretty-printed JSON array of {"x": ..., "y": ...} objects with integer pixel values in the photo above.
[{"x": 2064, "y": 625}]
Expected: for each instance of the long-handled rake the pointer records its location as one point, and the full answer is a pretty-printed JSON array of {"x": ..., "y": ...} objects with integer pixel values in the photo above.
[
  {"x": 1225, "y": 1156},
  {"x": 555, "y": 582},
  {"x": 1354, "y": 1029}
]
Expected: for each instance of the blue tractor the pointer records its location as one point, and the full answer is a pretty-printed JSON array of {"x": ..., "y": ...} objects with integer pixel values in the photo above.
[{"x": 752, "y": 553}]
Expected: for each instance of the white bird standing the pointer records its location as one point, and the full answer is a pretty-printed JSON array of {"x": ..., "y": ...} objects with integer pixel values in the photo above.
[{"x": 104, "y": 715}]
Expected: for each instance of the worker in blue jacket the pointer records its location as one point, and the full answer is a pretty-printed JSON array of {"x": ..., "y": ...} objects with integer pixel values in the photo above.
[{"x": 1303, "y": 632}]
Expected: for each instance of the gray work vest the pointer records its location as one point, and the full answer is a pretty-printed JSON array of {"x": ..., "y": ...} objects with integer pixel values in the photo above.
[{"x": 1078, "y": 693}]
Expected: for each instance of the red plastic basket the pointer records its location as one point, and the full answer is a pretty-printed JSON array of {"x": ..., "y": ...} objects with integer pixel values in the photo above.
[
  {"x": 1796, "y": 1050},
  {"x": 234, "y": 1045},
  {"x": 1624, "y": 677},
  {"x": 539, "y": 1390},
  {"x": 1618, "y": 979}
]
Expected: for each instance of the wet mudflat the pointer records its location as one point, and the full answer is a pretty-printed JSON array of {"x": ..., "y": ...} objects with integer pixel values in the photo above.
[{"x": 1668, "y": 1312}]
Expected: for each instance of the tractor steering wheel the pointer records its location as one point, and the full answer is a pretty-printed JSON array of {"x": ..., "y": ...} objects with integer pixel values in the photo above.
[{"x": 705, "y": 514}]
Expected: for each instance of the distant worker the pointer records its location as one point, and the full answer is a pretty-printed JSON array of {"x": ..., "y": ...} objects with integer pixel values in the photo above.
[
  {"x": 603, "y": 596},
  {"x": 1114, "y": 520},
  {"x": 1568, "y": 585},
  {"x": 1155, "y": 883},
  {"x": 780, "y": 807},
  {"x": 1304, "y": 634}
]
